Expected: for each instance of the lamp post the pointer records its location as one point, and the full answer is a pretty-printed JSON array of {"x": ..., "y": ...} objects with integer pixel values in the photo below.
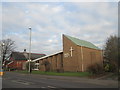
[
  {"x": 2, "y": 51},
  {"x": 30, "y": 50}
]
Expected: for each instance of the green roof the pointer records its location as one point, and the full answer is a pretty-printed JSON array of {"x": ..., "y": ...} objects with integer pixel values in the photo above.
[{"x": 82, "y": 42}]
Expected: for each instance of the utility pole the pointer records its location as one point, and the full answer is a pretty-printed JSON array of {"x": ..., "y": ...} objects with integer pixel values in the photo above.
[{"x": 30, "y": 50}]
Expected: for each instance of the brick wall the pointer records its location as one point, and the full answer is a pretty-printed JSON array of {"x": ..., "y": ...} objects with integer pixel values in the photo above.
[
  {"x": 70, "y": 63},
  {"x": 17, "y": 64},
  {"x": 54, "y": 63},
  {"x": 82, "y": 57},
  {"x": 90, "y": 57}
]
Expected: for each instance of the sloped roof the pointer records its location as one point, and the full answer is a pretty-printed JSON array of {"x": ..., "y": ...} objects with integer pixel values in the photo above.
[
  {"x": 47, "y": 56},
  {"x": 34, "y": 55},
  {"x": 18, "y": 56},
  {"x": 21, "y": 56},
  {"x": 82, "y": 42}
]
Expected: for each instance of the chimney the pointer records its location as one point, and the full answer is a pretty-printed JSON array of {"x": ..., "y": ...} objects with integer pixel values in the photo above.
[
  {"x": 24, "y": 50},
  {"x": 25, "y": 53}
]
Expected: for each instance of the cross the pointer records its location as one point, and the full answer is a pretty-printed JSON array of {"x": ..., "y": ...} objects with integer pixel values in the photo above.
[{"x": 71, "y": 50}]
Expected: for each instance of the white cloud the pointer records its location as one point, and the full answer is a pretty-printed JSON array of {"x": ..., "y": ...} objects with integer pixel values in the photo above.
[
  {"x": 93, "y": 22},
  {"x": 0, "y": 20}
]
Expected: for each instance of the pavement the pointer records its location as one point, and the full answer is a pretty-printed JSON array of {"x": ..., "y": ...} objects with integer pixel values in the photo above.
[
  {"x": 18, "y": 80},
  {"x": 0, "y": 82},
  {"x": 108, "y": 76}
]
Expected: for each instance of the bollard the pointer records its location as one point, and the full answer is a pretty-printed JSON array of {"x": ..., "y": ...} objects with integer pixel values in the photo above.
[{"x": 1, "y": 73}]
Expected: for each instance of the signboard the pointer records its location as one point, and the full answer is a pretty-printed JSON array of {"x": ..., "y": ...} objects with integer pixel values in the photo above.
[{"x": 66, "y": 55}]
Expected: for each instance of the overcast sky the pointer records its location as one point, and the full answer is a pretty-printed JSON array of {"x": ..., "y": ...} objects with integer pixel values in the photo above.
[{"x": 90, "y": 21}]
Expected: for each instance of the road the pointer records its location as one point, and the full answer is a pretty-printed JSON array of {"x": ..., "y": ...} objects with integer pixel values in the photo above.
[{"x": 18, "y": 80}]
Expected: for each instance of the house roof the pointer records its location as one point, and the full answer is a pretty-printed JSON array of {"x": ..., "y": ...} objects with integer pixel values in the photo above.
[
  {"x": 21, "y": 56},
  {"x": 18, "y": 56},
  {"x": 82, "y": 42},
  {"x": 34, "y": 55}
]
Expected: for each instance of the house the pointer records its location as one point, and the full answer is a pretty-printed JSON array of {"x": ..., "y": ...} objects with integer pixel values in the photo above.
[
  {"x": 18, "y": 59},
  {"x": 77, "y": 55}
]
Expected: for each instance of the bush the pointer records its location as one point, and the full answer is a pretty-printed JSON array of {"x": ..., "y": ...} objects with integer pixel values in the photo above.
[
  {"x": 12, "y": 69},
  {"x": 110, "y": 68},
  {"x": 95, "y": 69},
  {"x": 107, "y": 67}
]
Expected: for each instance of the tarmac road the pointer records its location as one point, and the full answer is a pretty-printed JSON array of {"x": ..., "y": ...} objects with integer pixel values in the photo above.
[{"x": 18, "y": 80}]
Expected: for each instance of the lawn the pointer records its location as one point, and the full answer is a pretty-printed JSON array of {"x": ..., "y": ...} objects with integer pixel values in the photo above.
[{"x": 80, "y": 74}]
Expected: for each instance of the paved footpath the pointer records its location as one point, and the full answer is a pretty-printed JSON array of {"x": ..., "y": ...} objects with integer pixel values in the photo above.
[
  {"x": 0, "y": 82},
  {"x": 18, "y": 80}
]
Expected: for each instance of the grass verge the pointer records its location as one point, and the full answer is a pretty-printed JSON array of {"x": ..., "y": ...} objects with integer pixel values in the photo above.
[{"x": 79, "y": 74}]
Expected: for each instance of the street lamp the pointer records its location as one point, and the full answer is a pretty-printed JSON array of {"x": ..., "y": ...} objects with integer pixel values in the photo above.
[
  {"x": 3, "y": 44},
  {"x": 30, "y": 50},
  {"x": 2, "y": 47}
]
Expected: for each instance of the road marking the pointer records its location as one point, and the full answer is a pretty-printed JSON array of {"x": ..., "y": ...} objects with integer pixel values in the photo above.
[
  {"x": 25, "y": 83},
  {"x": 48, "y": 87},
  {"x": 51, "y": 87},
  {"x": 43, "y": 78},
  {"x": 43, "y": 87},
  {"x": 22, "y": 74}
]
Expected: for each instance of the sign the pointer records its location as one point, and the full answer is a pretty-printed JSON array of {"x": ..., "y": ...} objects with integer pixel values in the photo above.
[
  {"x": 66, "y": 55},
  {"x": 71, "y": 51}
]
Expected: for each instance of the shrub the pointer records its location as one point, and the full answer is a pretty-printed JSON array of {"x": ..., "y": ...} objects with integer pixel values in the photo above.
[
  {"x": 110, "y": 68},
  {"x": 107, "y": 68},
  {"x": 95, "y": 69},
  {"x": 12, "y": 69}
]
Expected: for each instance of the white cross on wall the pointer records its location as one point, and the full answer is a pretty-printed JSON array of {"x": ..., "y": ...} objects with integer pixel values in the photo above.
[{"x": 71, "y": 50}]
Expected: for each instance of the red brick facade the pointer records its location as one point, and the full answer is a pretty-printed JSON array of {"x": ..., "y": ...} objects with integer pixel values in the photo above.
[
  {"x": 18, "y": 60},
  {"x": 82, "y": 57},
  {"x": 16, "y": 64}
]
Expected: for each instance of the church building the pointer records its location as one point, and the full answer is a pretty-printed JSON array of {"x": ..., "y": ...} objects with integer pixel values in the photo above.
[{"x": 77, "y": 55}]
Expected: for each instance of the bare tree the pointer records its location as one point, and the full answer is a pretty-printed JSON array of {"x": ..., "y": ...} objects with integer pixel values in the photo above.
[{"x": 6, "y": 47}]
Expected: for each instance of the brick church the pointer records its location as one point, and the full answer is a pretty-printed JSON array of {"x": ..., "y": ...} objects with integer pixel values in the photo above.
[{"x": 77, "y": 55}]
